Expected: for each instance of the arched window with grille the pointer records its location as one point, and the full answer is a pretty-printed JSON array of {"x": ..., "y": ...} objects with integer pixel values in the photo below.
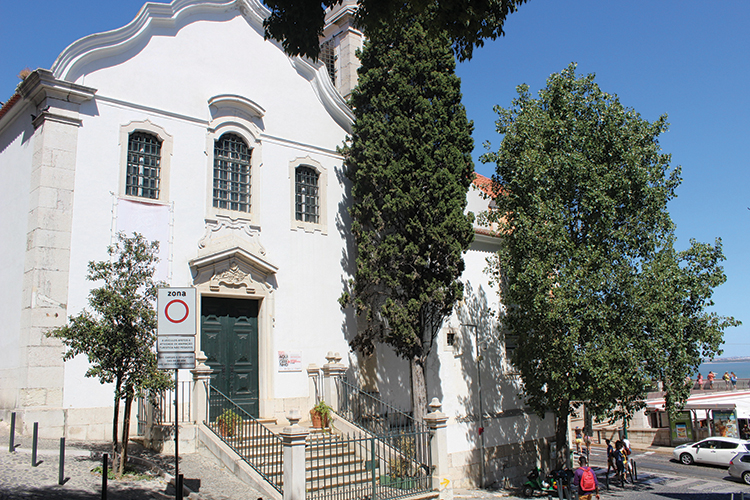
[
  {"x": 307, "y": 199},
  {"x": 232, "y": 173},
  {"x": 143, "y": 169}
]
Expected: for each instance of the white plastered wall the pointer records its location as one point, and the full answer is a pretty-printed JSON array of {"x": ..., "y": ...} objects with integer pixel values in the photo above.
[
  {"x": 180, "y": 70},
  {"x": 15, "y": 169}
]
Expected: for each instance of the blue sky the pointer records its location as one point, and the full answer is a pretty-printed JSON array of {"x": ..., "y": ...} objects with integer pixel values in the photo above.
[{"x": 689, "y": 59}]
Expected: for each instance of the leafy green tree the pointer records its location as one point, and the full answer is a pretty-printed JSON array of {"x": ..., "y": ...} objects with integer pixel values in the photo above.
[
  {"x": 298, "y": 24},
  {"x": 119, "y": 333},
  {"x": 600, "y": 302},
  {"x": 675, "y": 295},
  {"x": 410, "y": 165}
]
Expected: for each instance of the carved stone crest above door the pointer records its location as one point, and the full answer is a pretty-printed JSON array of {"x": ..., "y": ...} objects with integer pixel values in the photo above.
[{"x": 231, "y": 260}]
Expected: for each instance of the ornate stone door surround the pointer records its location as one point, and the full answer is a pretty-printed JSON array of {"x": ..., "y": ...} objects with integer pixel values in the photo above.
[{"x": 235, "y": 266}]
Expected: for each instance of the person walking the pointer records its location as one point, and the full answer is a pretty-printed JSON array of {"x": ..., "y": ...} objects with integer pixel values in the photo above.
[
  {"x": 620, "y": 459},
  {"x": 725, "y": 378},
  {"x": 579, "y": 440},
  {"x": 610, "y": 456},
  {"x": 711, "y": 377},
  {"x": 733, "y": 379},
  {"x": 585, "y": 481},
  {"x": 699, "y": 382}
]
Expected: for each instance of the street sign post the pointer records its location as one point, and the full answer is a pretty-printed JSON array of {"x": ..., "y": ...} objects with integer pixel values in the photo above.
[{"x": 175, "y": 346}]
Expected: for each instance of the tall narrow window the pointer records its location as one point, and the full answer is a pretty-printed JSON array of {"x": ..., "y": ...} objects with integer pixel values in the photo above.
[
  {"x": 307, "y": 199},
  {"x": 328, "y": 56},
  {"x": 232, "y": 173},
  {"x": 143, "y": 165}
]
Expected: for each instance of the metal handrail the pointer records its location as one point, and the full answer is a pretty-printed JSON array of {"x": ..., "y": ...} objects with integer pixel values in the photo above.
[
  {"x": 397, "y": 444},
  {"x": 373, "y": 414},
  {"x": 355, "y": 467},
  {"x": 250, "y": 439}
]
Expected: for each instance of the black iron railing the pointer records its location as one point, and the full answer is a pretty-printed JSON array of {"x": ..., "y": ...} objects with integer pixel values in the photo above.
[
  {"x": 162, "y": 408},
  {"x": 251, "y": 440},
  {"x": 354, "y": 467},
  {"x": 389, "y": 458},
  {"x": 372, "y": 413}
]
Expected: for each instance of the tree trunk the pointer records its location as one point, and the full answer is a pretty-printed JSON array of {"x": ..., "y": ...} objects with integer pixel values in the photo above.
[
  {"x": 418, "y": 388},
  {"x": 115, "y": 422},
  {"x": 562, "y": 434},
  {"x": 125, "y": 435}
]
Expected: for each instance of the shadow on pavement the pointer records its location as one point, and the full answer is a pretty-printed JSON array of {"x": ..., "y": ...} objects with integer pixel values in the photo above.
[{"x": 62, "y": 493}]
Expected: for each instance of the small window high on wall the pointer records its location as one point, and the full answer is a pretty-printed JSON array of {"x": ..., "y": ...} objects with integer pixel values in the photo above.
[
  {"x": 232, "y": 173},
  {"x": 143, "y": 165},
  {"x": 307, "y": 201}
]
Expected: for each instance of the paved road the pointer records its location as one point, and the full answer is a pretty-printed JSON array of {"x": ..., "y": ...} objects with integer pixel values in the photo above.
[{"x": 659, "y": 477}]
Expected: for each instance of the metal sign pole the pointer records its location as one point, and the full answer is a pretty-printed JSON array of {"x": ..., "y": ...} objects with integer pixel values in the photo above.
[
  {"x": 176, "y": 330},
  {"x": 178, "y": 494}
]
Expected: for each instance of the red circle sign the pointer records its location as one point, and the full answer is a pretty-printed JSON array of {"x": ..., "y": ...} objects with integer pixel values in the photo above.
[{"x": 187, "y": 311}]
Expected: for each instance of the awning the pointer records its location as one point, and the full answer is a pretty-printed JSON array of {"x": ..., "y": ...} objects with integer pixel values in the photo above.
[{"x": 734, "y": 401}]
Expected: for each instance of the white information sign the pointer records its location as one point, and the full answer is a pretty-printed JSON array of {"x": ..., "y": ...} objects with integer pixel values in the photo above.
[
  {"x": 175, "y": 343},
  {"x": 290, "y": 361},
  {"x": 176, "y": 311},
  {"x": 175, "y": 360}
]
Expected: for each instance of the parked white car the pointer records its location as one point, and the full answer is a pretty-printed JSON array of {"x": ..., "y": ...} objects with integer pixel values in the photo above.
[{"x": 713, "y": 450}]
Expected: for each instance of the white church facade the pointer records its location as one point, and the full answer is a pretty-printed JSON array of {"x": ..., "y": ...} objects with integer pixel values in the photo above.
[{"x": 190, "y": 128}]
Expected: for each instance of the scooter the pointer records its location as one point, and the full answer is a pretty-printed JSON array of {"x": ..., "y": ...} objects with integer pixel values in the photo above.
[{"x": 547, "y": 483}]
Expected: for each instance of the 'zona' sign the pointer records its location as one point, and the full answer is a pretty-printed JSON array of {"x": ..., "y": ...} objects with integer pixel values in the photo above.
[{"x": 176, "y": 311}]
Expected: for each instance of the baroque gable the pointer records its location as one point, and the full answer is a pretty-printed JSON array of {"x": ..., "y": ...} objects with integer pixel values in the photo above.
[{"x": 87, "y": 54}]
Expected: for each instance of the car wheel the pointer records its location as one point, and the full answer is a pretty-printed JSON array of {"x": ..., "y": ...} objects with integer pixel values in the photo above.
[
  {"x": 528, "y": 491},
  {"x": 686, "y": 458},
  {"x": 746, "y": 477}
]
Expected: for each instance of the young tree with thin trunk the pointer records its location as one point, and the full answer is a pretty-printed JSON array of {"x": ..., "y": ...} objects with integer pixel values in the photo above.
[
  {"x": 410, "y": 164},
  {"x": 119, "y": 333},
  {"x": 600, "y": 303}
]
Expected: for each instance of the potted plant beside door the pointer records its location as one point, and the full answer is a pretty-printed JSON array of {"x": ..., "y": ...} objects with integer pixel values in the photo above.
[
  {"x": 320, "y": 415},
  {"x": 228, "y": 423}
]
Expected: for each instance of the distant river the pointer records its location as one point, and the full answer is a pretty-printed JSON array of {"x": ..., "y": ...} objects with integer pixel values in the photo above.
[{"x": 740, "y": 368}]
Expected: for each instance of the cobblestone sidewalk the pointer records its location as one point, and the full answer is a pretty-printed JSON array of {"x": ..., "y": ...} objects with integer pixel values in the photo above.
[{"x": 204, "y": 475}]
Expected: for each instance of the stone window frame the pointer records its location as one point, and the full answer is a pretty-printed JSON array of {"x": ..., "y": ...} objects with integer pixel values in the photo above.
[
  {"x": 167, "y": 142},
  {"x": 322, "y": 224},
  {"x": 252, "y": 139},
  {"x": 233, "y": 184}
]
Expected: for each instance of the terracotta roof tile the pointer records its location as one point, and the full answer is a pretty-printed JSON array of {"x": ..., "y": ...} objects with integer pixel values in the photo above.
[
  {"x": 9, "y": 104},
  {"x": 485, "y": 184}
]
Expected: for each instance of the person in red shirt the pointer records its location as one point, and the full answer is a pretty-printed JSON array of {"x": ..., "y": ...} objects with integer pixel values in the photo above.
[{"x": 585, "y": 481}]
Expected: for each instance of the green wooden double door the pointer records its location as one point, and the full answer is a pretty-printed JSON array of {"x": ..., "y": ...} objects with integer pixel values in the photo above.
[{"x": 229, "y": 338}]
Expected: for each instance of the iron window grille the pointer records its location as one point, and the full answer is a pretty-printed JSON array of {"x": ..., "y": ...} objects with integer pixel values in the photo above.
[
  {"x": 307, "y": 198},
  {"x": 144, "y": 165},
  {"x": 232, "y": 177},
  {"x": 328, "y": 56}
]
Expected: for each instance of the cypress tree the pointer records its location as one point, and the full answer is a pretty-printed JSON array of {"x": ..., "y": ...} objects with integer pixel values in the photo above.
[{"x": 410, "y": 164}]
